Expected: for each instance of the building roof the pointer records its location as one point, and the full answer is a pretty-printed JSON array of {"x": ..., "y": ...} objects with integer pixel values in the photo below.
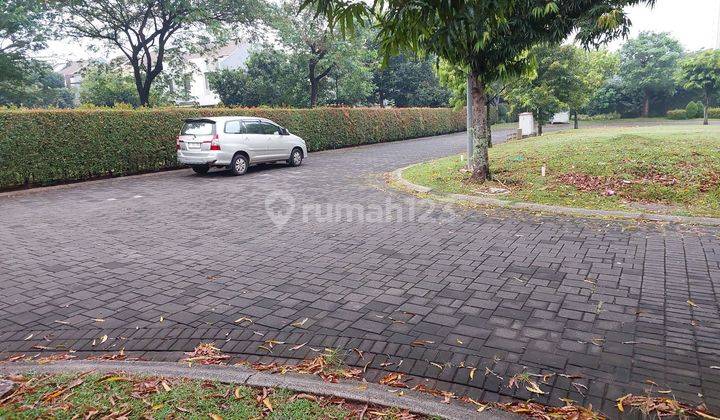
[{"x": 71, "y": 68}]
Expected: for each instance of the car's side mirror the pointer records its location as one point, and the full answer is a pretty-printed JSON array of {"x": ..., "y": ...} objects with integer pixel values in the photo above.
[{"x": 284, "y": 131}]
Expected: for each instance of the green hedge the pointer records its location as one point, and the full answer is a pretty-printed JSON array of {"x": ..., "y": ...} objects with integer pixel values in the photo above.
[
  {"x": 681, "y": 114},
  {"x": 676, "y": 114},
  {"x": 40, "y": 147}
]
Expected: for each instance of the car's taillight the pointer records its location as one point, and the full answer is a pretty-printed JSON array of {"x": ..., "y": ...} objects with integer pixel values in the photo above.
[
  {"x": 177, "y": 143},
  {"x": 215, "y": 143}
]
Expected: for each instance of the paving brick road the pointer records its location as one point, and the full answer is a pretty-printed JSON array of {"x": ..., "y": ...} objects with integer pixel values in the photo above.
[{"x": 398, "y": 278}]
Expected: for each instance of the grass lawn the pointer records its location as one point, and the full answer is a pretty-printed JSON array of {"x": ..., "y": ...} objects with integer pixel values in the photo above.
[
  {"x": 672, "y": 169},
  {"x": 122, "y": 396}
]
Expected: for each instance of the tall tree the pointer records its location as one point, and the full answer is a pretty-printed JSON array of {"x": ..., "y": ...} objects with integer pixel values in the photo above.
[
  {"x": 648, "y": 63},
  {"x": 272, "y": 77},
  {"x": 103, "y": 85},
  {"x": 410, "y": 82},
  {"x": 40, "y": 87},
  {"x": 489, "y": 39},
  {"x": 554, "y": 85},
  {"x": 323, "y": 50},
  {"x": 143, "y": 29},
  {"x": 23, "y": 29},
  {"x": 701, "y": 71}
]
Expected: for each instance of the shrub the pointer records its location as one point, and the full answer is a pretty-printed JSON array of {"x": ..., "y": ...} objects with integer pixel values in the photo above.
[
  {"x": 694, "y": 110},
  {"x": 39, "y": 147},
  {"x": 714, "y": 113},
  {"x": 677, "y": 114}
]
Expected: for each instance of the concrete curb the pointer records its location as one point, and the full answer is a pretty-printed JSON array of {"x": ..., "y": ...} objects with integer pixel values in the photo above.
[
  {"x": 369, "y": 393},
  {"x": 545, "y": 208}
]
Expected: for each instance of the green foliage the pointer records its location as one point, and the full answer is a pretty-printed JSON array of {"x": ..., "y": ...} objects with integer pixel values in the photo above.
[
  {"x": 143, "y": 30},
  {"x": 557, "y": 83},
  {"x": 39, "y": 87},
  {"x": 677, "y": 114},
  {"x": 694, "y": 110},
  {"x": 48, "y": 146},
  {"x": 615, "y": 97},
  {"x": 335, "y": 69},
  {"x": 408, "y": 82},
  {"x": 701, "y": 71},
  {"x": 23, "y": 29},
  {"x": 272, "y": 78},
  {"x": 488, "y": 40},
  {"x": 647, "y": 64},
  {"x": 104, "y": 86},
  {"x": 714, "y": 113}
]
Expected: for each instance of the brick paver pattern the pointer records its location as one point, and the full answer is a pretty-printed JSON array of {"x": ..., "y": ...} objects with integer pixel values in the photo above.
[{"x": 608, "y": 304}]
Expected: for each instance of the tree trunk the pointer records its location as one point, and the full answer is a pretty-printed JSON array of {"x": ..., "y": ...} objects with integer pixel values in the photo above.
[
  {"x": 705, "y": 108},
  {"x": 313, "y": 85},
  {"x": 144, "y": 95},
  {"x": 646, "y": 106},
  {"x": 479, "y": 130},
  {"x": 575, "y": 118},
  {"x": 489, "y": 124},
  {"x": 539, "y": 133}
]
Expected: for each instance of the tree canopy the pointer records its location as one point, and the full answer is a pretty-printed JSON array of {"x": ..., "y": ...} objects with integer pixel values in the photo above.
[
  {"x": 143, "y": 29},
  {"x": 557, "y": 84},
  {"x": 488, "y": 39},
  {"x": 23, "y": 29},
  {"x": 39, "y": 87},
  {"x": 701, "y": 71},
  {"x": 408, "y": 81},
  {"x": 647, "y": 63}
]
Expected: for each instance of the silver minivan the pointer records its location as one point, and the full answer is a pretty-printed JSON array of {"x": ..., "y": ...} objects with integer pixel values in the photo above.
[{"x": 236, "y": 143}]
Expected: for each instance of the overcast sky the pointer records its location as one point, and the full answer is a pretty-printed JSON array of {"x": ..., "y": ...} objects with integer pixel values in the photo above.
[{"x": 693, "y": 22}]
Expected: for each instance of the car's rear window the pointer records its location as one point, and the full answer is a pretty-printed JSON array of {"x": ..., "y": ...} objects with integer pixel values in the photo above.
[{"x": 198, "y": 128}]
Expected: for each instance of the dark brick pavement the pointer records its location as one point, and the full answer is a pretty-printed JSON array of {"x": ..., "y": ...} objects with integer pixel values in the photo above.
[{"x": 486, "y": 288}]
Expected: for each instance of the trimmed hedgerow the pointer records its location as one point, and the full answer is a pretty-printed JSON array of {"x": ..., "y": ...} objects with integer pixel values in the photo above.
[
  {"x": 676, "y": 114},
  {"x": 40, "y": 147}
]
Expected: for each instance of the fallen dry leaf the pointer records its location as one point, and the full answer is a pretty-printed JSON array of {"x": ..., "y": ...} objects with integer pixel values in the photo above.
[
  {"x": 534, "y": 388},
  {"x": 299, "y": 346},
  {"x": 299, "y": 324},
  {"x": 244, "y": 319}
]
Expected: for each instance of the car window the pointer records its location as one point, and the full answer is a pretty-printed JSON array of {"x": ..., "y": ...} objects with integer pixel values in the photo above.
[
  {"x": 270, "y": 128},
  {"x": 254, "y": 127},
  {"x": 234, "y": 127},
  {"x": 198, "y": 128}
]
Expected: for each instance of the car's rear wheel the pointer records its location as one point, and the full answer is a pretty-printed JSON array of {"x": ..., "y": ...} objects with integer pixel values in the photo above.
[
  {"x": 239, "y": 164},
  {"x": 200, "y": 169},
  {"x": 296, "y": 157}
]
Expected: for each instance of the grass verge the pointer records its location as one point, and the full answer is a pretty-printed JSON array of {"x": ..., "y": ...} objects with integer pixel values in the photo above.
[
  {"x": 662, "y": 169},
  {"x": 119, "y": 395}
]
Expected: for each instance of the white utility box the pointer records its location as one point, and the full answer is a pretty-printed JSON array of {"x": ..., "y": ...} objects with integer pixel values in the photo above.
[
  {"x": 561, "y": 118},
  {"x": 526, "y": 123}
]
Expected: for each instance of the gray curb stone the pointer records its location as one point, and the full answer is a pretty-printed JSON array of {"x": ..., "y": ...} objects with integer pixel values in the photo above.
[
  {"x": 351, "y": 390},
  {"x": 545, "y": 208}
]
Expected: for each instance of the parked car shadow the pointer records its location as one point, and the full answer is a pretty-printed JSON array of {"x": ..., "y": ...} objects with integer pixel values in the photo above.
[{"x": 261, "y": 167}]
